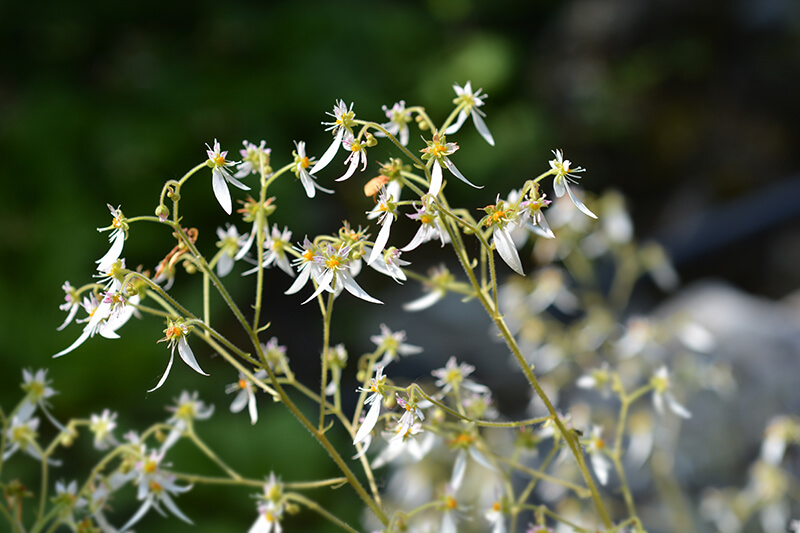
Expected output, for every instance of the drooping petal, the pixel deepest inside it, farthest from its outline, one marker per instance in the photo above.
(677, 408)
(355, 289)
(505, 247)
(300, 281)
(166, 372)
(383, 238)
(601, 466)
(436, 179)
(224, 265)
(480, 125)
(138, 514)
(236, 183)
(329, 154)
(308, 184)
(419, 238)
(252, 408)
(559, 186)
(459, 468)
(117, 242)
(240, 401)
(247, 245)
(578, 203)
(455, 126)
(354, 160)
(169, 504)
(424, 302)
(221, 190)
(188, 356)
(73, 310)
(455, 172)
(369, 421)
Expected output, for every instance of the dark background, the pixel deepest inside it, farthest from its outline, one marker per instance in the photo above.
(688, 108)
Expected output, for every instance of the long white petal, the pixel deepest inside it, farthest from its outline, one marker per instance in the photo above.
(436, 179)
(88, 331)
(188, 356)
(236, 183)
(308, 184)
(459, 468)
(355, 289)
(383, 238)
(247, 245)
(559, 186)
(419, 238)
(221, 190)
(351, 169)
(118, 241)
(252, 408)
(455, 126)
(138, 515)
(579, 204)
(166, 372)
(480, 125)
(174, 508)
(455, 172)
(505, 247)
(424, 302)
(70, 317)
(369, 421)
(329, 154)
(300, 281)
(240, 401)
(224, 265)
(600, 465)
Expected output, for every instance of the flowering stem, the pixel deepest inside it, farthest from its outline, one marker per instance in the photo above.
(326, 340)
(569, 437)
(579, 491)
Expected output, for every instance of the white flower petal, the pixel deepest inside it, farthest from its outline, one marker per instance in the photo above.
(188, 356)
(353, 288)
(236, 183)
(601, 466)
(354, 159)
(453, 170)
(166, 372)
(167, 500)
(436, 179)
(73, 310)
(369, 421)
(578, 203)
(138, 515)
(239, 402)
(559, 186)
(117, 240)
(329, 154)
(300, 281)
(383, 238)
(459, 468)
(677, 408)
(505, 247)
(221, 190)
(224, 265)
(252, 408)
(480, 125)
(455, 126)
(423, 302)
(308, 184)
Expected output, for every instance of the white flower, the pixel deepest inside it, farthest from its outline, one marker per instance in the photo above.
(176, 333)
(188, 408)
(230, 242)
(38, 390)
(154, 488)
(470, 102)
(102, 427)
(661, 393)
(436, 289)
(437, 151)
(270, 508)
(307, 267)
(454, 375)
(393, 345)
(390, 264)
(343, 122)
(385, 211)
(245, 395)
(301, 164)
(596, 448)
(409, 419)
(358, 154)
(496, 518)
(564, 174)
(399, 117)
(335, 276)
(220, 174)
(21, 435)
(430, 228)
(255, 159)
(374, 400)
(501, 217)
(71, 304)
(119, 232)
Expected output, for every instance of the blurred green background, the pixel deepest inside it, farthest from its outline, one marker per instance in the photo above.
(685, 107)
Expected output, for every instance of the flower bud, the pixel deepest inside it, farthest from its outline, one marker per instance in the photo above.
(162, 212)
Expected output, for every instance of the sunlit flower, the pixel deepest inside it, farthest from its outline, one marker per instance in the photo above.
(393, 345)
(276, 244)
(596, 448)
(502, 218)
(119, 233)
(399, 117)
(661, 393)
(245, 395)
(102, 426)
(300, 168)
(175, 334)
(564, 174)
(390, 264)
(342, 122)
(496, 518)
(255, 160)
(436, 152)
(335, 265)
(470, 103)
(220, 173)
(155, 487)
(412, 415)
(530, 211)
(451, 511)
(307, 267)
(374, 400)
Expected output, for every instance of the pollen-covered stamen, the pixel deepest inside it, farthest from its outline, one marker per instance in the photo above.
(155, 486)
(496, 507)
(117, 222)
(426, 219)
(462, 441)
(304, 162)
(333, 262)
(450, 503)
(219, 160)
(150, 466)
(242, 384)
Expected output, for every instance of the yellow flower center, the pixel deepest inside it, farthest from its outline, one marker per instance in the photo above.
(333, 262)
(304, 162)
